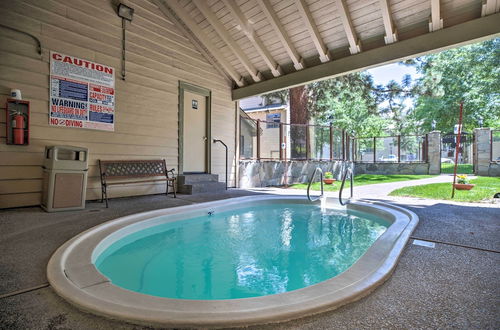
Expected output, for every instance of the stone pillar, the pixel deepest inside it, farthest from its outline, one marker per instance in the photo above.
(482, 147)
(434, 152)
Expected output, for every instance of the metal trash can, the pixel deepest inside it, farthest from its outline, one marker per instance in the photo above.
(65, 170)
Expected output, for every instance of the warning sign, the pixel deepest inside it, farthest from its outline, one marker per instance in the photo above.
(82, 93)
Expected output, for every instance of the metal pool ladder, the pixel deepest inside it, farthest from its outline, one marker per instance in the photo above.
(347, 171)
(310, 183)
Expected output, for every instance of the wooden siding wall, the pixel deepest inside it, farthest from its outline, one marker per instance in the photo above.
(146, 120)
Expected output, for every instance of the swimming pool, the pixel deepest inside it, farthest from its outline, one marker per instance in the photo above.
(241, 261)
(240, 253)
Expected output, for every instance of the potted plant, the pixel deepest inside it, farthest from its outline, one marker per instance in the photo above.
(463, 183)
(328, 178)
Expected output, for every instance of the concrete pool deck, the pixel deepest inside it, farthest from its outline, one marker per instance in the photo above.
(442, 287)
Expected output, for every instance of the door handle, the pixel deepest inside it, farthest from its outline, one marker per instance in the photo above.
(205, 138)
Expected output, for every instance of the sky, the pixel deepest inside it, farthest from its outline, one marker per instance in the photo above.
(384, 74)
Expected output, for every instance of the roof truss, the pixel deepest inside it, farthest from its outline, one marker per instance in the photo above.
(435, 21)
(391, 34)
(203, 38)
(224, 34)
(307, 18)
(273, 19)
(253, 38)
(354, 43)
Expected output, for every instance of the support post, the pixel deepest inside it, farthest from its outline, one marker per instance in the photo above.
(374, 149)
(343, 144)
(258, 139)
(434, 152)
(281, 141)
(331, 142)
(308, 149)
(483, 147)
(399, 148)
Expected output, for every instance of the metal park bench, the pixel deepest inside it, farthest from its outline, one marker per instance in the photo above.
(142, 170)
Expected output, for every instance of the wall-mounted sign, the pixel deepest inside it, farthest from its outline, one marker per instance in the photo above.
(273, 120)
(194, 104)
(82, 93)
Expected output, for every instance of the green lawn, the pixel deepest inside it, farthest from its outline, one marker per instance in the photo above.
(461, 168)
(485, 188)
(363, 179)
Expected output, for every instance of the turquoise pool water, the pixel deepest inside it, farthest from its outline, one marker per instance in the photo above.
(241, 253)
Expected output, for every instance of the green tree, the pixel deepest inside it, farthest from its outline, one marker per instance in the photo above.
(470, 74)
(349, 103)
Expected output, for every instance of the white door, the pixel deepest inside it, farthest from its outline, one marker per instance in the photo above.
(195, 133)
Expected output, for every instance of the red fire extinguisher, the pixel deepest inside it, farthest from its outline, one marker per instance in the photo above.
(18, 129)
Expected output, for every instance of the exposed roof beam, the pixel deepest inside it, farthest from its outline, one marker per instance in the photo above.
(252, 36)
(354, 43)
(391, 34)
(220, 29)
(273, 19)
(203, 38)
(472, 31)
(324, 54)
(490, 7)
(435, 21)
(186, 32)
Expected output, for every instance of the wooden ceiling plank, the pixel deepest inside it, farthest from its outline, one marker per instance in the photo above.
(240, 19)
(472, 31)
(185, 18)
(305, 14)
(435, 21)
(354, 43)
(273, 19)
(220, 29)
(490, 7)
(390, 31)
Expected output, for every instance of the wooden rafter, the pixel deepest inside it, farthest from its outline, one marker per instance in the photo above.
(273, 19)
(203, 38)
(390, 31)
(490, 7)
(226, 37)
(186, 32)
(435, 21)
(354, 43)
(252, 36)
(457, 35)
(305, 14)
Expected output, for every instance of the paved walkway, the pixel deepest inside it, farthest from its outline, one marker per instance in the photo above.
(456, 284)
(374, 191)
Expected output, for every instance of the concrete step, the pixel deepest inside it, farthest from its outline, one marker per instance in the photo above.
(202, 187)
(195, 178)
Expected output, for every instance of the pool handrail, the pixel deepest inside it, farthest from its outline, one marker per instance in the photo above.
(348, 170)
(310, 183)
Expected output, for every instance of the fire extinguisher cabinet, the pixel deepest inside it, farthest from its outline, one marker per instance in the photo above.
(65, 171)
(17, 122)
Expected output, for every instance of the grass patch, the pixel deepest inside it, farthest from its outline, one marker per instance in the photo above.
(461, 168)
(485, 188)
(362, 179)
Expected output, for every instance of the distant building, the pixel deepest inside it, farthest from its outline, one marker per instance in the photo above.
(271, 114)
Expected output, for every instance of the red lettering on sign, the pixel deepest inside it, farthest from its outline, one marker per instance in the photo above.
(56, 56)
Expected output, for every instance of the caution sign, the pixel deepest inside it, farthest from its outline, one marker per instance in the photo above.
(82, 93)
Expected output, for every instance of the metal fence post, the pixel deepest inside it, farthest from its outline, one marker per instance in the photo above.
(399, 148)
(343, 144)
(281, 141)
(307, 142)
(258, 139)
(331, 141)
(374, 149)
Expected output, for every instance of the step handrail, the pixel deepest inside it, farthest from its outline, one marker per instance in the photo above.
(310, 183)
(225, 146)
(347, 171)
